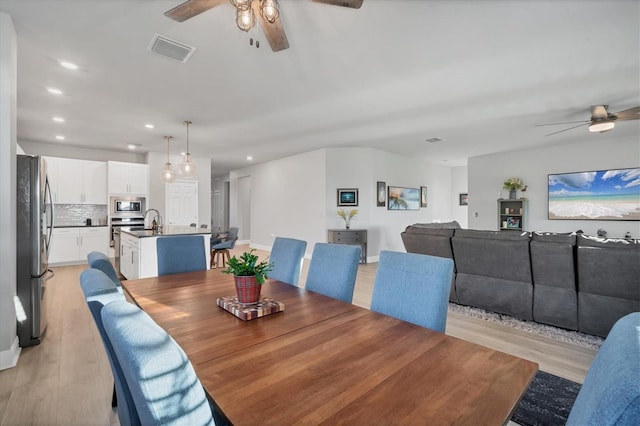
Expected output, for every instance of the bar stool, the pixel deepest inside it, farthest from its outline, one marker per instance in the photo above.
(215, 257)
(222, 248)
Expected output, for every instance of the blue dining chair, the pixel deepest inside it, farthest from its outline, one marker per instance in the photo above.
(610, 394)
(100, 261)
(99, 290)
(163, 384)
(287, 255)
(414, 288)
(333, 270)
(182, 253)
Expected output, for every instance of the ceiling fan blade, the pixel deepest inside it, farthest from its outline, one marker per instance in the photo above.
(274, 33)
(599, 112)
(564, 122)
(628, 114)
(570, 128)
(354, 4)
(191, 8)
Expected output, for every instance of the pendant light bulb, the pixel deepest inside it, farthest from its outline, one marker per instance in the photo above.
(168, 174)
(187, 168)
(269, 10)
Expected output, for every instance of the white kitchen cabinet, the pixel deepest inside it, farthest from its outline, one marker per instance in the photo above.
(128, 178)
(73, 244)
(77, 181)
(129, 256)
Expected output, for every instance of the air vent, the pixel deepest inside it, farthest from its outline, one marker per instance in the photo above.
(170, 49)
(434, 140)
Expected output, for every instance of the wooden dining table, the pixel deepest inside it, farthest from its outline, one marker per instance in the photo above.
(324, 361)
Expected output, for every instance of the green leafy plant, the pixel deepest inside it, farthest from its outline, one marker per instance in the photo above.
(513, 184)
(248, 265)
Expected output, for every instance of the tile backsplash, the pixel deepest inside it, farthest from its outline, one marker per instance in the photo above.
(77, 214)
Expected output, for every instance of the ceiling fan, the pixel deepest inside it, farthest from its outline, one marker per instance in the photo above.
(601, 119)
(266, 11)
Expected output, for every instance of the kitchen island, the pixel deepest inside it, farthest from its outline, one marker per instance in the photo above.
(137, 249)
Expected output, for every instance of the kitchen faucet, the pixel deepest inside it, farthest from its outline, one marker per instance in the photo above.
(159, 229)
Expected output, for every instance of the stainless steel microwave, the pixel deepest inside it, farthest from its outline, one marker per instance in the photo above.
(127, 206)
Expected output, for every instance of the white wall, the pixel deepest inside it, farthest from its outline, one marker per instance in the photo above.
(287, 199)
(596, 152)
(296, 196)
(9, 350)
(459, 186)
(78, 153)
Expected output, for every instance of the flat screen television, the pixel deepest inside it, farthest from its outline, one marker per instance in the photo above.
(595, 195)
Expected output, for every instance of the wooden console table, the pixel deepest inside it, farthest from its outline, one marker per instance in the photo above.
(350, 236)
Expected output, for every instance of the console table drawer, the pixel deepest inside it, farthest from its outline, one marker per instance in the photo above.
(350, 236)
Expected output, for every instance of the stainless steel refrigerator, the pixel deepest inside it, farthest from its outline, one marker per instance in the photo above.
(33, 240)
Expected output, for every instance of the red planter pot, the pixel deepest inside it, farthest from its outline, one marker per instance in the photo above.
(247, 289)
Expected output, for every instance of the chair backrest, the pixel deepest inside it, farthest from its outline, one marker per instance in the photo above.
(164, 386)
(286, 256)
(333, 270)
(204, 226)
(100, 261)
(99, 291)
(180, 254)
(230, 241)
(193, 225)
(414, 288)
(610, 394)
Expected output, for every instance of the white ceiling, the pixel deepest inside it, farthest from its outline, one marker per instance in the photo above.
(479, 74)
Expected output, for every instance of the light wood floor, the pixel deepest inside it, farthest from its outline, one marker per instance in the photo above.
(66, 380)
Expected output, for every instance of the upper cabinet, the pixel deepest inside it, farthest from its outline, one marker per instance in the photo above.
(77, 181)
(128, 178)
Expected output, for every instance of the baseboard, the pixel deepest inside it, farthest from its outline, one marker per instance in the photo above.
(9, 358)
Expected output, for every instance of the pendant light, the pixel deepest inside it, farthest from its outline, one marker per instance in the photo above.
(187, 168)
(168, 174)
(269, 10)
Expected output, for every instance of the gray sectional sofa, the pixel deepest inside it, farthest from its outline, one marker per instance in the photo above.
(568, 280)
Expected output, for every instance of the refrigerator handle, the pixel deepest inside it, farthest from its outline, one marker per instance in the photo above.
(49, 197)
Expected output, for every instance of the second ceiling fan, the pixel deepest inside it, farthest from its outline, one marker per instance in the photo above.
(248, 11)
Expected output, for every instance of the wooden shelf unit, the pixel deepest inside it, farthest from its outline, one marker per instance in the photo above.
(512, 214)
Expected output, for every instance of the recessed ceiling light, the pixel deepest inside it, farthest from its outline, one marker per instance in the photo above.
(249, 158)
(58, 119)
(54, 91)
(60, 137)
(133, 145)
(69, 65)
(149, 126)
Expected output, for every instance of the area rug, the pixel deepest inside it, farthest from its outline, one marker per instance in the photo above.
(530, 326)
(548, 401)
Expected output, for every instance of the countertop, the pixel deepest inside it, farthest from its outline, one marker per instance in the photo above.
(168, 231)
(80, 226)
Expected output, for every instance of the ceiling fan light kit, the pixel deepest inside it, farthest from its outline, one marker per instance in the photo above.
(168, 174)
(245, 19)
(187, 169)
(601, 126)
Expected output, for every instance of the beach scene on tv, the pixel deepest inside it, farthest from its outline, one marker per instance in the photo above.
(598, 195)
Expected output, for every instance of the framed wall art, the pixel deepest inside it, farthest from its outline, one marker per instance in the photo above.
(612, 194)
(423, 196)
(399, 198)
(381, 194)
(347, 197)
(464, 199)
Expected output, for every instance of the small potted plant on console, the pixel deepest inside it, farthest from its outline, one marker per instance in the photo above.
(249, 275)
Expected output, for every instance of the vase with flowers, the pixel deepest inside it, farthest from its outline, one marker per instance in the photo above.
(513, 184)
(347, 216)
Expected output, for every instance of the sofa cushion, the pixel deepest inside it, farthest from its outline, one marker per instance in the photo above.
(437, 225)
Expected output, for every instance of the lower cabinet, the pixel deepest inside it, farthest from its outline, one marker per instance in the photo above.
(129, 256)
(73, 244)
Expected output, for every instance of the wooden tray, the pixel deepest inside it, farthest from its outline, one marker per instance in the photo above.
(250, 311)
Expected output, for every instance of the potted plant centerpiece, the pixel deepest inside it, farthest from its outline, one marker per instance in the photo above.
(249, 275)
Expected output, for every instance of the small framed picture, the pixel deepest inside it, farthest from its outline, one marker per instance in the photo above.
(423, 196)
(381, 194)
(513, 222)
(464, 199)
(347, 197)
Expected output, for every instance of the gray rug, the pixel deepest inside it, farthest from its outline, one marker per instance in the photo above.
(548, 401)
(555, 333)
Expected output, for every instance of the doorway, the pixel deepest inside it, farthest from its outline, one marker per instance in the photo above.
(181, 203)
